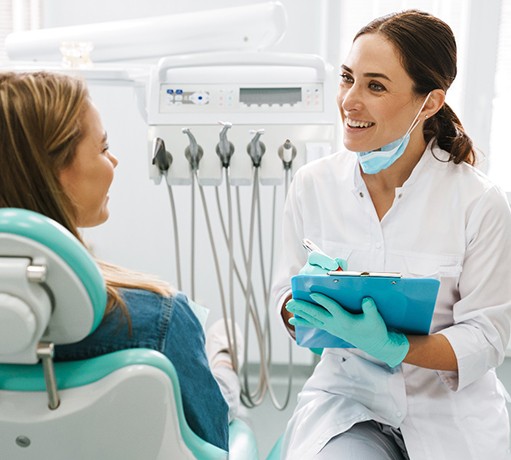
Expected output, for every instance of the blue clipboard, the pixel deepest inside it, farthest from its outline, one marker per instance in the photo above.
(405, 304)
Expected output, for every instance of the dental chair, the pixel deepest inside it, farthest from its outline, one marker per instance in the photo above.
(124, 405)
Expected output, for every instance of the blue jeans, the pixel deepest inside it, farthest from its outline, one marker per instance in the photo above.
(169, 326)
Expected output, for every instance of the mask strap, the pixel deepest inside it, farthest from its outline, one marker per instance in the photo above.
(415, 121)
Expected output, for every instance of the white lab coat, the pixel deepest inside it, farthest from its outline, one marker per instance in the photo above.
(447, 221)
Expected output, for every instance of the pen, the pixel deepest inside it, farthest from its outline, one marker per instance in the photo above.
(310, 246)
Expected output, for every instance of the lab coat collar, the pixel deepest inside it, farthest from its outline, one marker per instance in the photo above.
(359, 185)
(430, 158)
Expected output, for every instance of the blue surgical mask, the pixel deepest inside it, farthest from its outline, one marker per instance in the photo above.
(374, 161)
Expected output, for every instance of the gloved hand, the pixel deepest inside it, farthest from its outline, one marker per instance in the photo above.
(319, 263)
(366, 331)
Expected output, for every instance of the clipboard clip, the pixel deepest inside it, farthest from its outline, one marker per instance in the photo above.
(366, 274)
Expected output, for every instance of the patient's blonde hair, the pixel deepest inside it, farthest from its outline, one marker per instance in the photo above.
(41, 117)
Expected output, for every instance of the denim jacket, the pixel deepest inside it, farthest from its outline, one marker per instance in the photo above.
(169, 326)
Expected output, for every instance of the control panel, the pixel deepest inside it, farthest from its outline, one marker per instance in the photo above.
(219, 98)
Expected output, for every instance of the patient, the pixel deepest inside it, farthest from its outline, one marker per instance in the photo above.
(55, 160)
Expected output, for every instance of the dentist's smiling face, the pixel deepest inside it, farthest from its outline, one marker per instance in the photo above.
(375, 97)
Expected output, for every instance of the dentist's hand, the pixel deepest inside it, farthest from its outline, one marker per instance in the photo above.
(319, 263)
(366, 331)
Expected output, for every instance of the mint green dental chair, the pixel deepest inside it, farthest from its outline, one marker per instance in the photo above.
(124, 405)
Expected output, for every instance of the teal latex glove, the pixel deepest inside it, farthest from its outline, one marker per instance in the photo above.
(319, 263)
(366, 331)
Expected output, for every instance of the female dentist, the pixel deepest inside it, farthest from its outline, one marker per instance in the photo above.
(405, 198)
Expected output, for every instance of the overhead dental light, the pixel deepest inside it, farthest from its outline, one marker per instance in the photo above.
(248, 27)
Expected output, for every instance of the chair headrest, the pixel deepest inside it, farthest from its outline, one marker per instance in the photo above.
(51, 288)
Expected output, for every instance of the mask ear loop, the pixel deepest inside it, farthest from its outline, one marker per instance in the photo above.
(416, 120)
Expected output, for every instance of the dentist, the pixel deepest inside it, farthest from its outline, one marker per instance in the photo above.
(406, 198)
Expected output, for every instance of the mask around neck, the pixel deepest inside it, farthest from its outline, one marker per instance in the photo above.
(374, 161)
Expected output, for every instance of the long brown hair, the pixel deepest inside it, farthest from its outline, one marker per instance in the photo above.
(40, 127)
(428, 52)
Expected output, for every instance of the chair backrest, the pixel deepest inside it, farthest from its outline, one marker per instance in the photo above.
(123, 405)
(50, 287)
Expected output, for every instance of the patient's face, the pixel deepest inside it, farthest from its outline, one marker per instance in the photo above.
(88, 178)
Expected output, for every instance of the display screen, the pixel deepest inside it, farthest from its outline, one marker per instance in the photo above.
(258, 96)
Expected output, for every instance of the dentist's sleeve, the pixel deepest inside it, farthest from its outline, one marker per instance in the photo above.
(482, 316)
